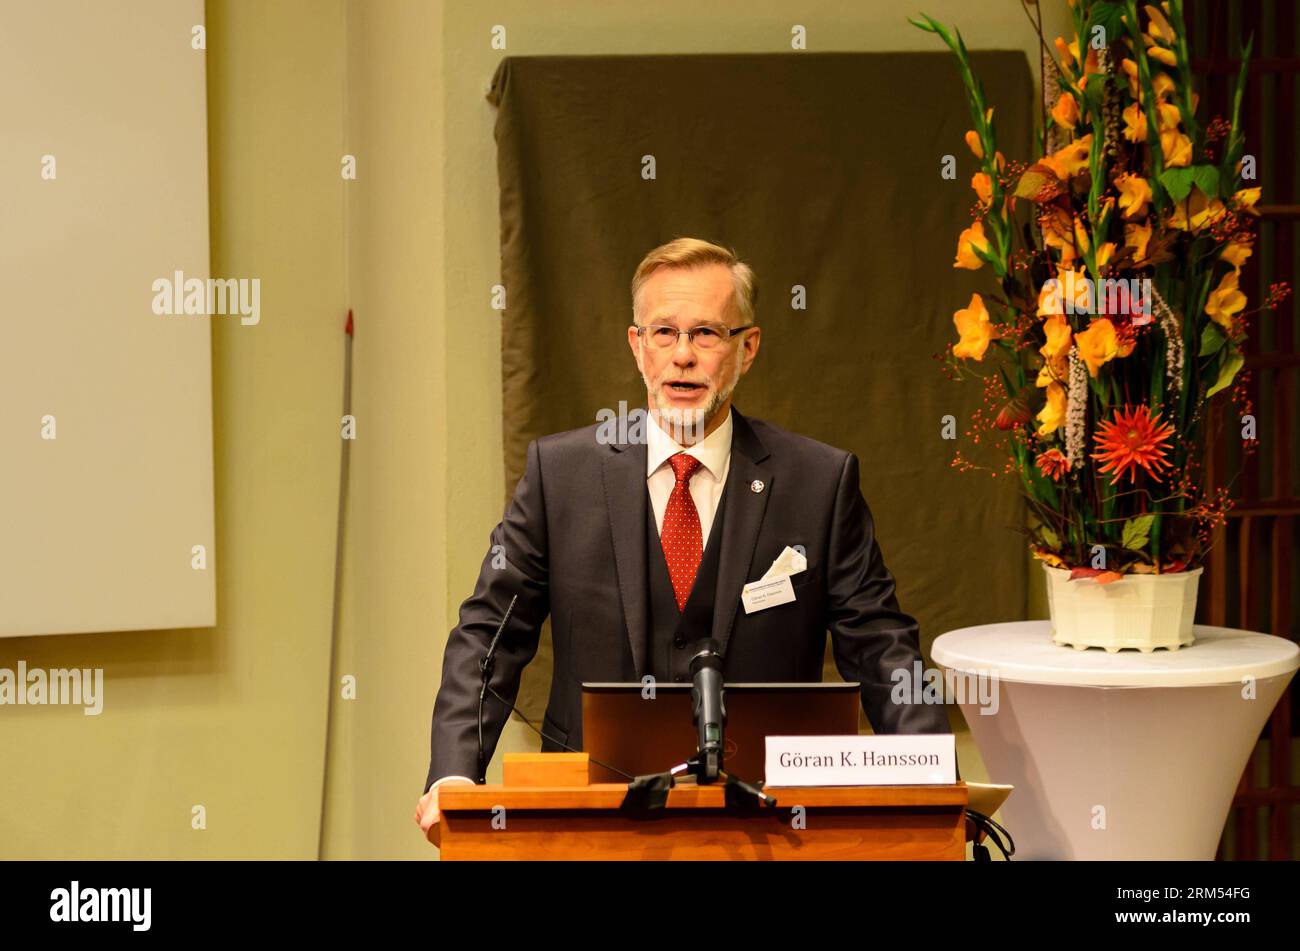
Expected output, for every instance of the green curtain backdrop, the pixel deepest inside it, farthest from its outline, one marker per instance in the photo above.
(823, 172)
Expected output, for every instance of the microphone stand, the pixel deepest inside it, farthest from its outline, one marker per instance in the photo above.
(486, 667)
(710, 715)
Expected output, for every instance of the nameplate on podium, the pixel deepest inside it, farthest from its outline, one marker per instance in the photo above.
(928, 759)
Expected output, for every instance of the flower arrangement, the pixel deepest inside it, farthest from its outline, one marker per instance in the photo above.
(1117, 315)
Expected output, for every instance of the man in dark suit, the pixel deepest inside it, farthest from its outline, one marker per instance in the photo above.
(638, 541)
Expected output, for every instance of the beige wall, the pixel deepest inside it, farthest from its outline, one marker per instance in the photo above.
(234, 717)
(231, 717)
(395, 593)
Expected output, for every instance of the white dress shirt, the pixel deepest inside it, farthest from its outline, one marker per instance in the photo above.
(714, 453)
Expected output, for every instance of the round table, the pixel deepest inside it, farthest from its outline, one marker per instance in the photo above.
(1115, 756)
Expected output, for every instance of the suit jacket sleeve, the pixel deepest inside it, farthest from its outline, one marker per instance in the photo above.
(870, 636)
(515, 564)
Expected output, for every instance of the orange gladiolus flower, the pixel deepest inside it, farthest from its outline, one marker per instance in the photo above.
(1134, 194)
(976, 331)
(974, 144)
(1057, 329)
(1098, 345)
(983, 186)
(1052, 416)
(1177, 149)
(1066, 111)
(1053, 370)
(1225, 301)
(1236, 252)
(1072, 159)
(1197, 210)
(1135, 123)
(1137, 237)
(971, 239)
(1246, 199)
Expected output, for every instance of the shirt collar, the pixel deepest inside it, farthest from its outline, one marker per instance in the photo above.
(713, 451)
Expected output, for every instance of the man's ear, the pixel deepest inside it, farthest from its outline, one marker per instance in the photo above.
(750, 343)
(633, 341)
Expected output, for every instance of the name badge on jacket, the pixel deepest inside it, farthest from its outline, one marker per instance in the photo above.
(774, 587)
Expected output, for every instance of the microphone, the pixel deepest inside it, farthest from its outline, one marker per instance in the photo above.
(486, 666)
(708, 709)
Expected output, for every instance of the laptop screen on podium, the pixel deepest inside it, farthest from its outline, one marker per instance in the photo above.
(624, 727)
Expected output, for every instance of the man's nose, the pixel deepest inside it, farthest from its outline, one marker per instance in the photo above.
(684, 352)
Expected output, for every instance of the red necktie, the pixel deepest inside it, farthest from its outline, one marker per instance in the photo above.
(680, 536)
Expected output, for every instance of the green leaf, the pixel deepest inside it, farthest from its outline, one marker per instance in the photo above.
(1050, 538)
(1177, 182)
(1212, 340)
(1234, 363)
(1206, 178)
(1107, 15)
(1137, 532)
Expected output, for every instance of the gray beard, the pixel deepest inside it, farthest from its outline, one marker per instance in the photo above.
(687, 426)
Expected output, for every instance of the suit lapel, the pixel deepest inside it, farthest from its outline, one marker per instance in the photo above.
(740, 527)
(624, 477)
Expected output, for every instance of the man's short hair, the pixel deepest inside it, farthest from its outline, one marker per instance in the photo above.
(692, 252)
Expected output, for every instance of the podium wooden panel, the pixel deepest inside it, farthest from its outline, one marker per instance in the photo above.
(511, 822)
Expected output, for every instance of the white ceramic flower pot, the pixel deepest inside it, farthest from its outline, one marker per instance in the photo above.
(1138, 611)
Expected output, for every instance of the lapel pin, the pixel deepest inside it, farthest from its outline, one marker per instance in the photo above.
(756, 486)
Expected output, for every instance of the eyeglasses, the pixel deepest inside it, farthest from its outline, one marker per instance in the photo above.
(703, 336)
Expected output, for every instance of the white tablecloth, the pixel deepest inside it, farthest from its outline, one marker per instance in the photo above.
(1117, 756)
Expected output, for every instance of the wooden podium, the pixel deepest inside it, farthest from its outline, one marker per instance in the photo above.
(546, 809)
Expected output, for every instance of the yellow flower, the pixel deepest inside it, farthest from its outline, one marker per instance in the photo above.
(1131, 71)
(1057, 329)
(1246, 199)
(1098, 345)
(1158, 28)
(1091, 67)
(1069, 54)
(1072, 159)
(1058, 232)
(1197, 208)
(976, 331)
(1105, 252)
(1052, 415)
(1075, 283)
(1236, 252)
(1066, 111)
(1134, 193)
(1176, 147)
(1081, 235)
(983, 186)
(1137, 236)
(1163, 55)
(1168, 116)
(1051, 299)
(1225, 301)
(1053, 370)
(971, 239)
(974, 144)
(1135, 124)
(1164, 86)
